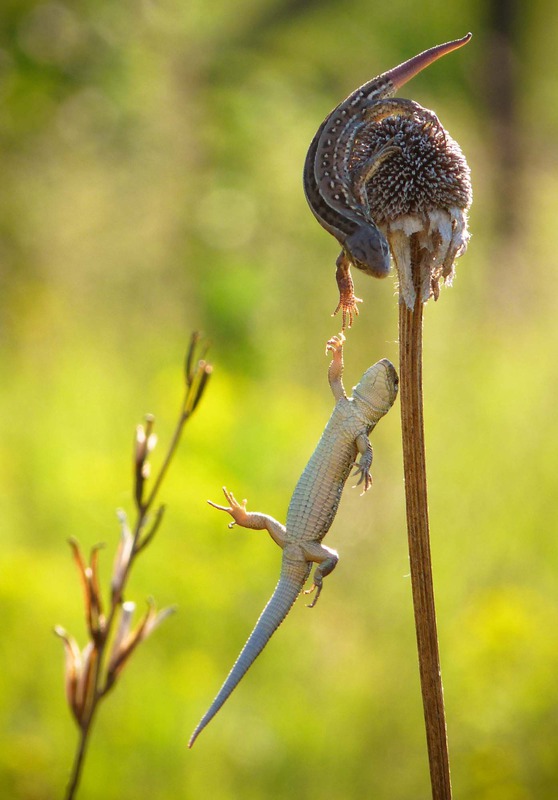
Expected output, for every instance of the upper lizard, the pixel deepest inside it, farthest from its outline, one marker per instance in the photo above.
(314, 503)
(331, 185)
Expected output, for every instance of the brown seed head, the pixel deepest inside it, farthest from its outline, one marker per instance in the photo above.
(422, 190)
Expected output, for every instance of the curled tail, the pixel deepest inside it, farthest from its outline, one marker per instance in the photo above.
(293, 577)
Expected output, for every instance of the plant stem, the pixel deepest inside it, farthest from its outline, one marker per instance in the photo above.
(195, 385)
(163, 471)
(414, 464)
(79, 759)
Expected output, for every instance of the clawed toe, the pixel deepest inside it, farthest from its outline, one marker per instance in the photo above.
(336, 343)
(349, 310)
(314, 588)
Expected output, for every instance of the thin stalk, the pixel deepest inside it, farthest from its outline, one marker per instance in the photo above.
(79, 760)
(98, 690)
(196, 380)
(414, 464)
(163, 471)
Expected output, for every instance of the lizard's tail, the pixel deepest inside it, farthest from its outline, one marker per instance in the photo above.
(404, 72)
(287, 590)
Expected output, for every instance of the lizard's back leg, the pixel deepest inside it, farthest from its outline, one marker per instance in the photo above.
(326, 559)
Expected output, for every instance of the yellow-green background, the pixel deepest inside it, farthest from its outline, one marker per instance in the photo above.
(150, 184)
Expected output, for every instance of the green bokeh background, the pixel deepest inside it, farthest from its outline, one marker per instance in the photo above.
(151, 157)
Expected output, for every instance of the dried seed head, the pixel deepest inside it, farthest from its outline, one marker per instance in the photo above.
(123, 555)
(85, 689)
(126, 640)
(122, 636)
(73, 669)
(423, 190)
(89, 576)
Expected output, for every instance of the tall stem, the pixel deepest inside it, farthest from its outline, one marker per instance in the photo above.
(414, 465)
(79, 759)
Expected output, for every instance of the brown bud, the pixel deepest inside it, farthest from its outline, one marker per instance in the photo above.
(144, 443)
(79, 675)
(126, 641)
(86, 681)
(123, 554)
(121, 639)
(91, 589)
(72, 671)
(97, 623)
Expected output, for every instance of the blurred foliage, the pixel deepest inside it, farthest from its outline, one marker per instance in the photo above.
(151, 157)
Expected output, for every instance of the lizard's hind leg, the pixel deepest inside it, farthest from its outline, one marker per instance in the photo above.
(327, 559)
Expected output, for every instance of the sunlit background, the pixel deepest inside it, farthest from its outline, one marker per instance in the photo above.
(150, 161)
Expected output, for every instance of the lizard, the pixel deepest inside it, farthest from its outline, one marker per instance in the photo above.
(313, 504)
(329, 183)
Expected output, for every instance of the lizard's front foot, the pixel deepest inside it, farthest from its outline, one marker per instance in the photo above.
(235, 509)
(430, 120)
(348, 307)
(347, 300)
(335, 344)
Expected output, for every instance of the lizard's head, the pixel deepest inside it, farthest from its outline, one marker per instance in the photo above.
(368, 250)
(377, 389)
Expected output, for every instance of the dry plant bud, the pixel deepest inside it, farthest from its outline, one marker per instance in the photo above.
(123, 554)
(203, 374)
(78, 674)
(122, 633)
(126, 640)
(97, 621)
(85, 688)
(189, 372)
(92, 592)
(73, 666)
(421, 192)
(144, 444)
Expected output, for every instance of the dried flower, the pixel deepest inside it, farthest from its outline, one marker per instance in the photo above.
(72, 669)
(123, 554)
(85, 689)
(126, 641)
(90, 674)
(121, 637)
(145, 443)
(422, 192)
(78, 674)
(90, 582)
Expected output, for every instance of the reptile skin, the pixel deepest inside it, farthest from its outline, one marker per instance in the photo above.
(334, 189)
(314, 504)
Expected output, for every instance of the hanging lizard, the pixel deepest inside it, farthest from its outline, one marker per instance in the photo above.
(331, 186)
(314, 504)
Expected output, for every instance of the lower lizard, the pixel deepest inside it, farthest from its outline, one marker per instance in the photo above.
(314, 504)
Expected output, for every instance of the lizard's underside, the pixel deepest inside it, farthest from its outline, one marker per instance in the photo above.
(314, 504)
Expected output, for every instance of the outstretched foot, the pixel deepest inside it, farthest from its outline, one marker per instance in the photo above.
(335, 371)
(235, 509)
(335, 344)
(347, 300)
